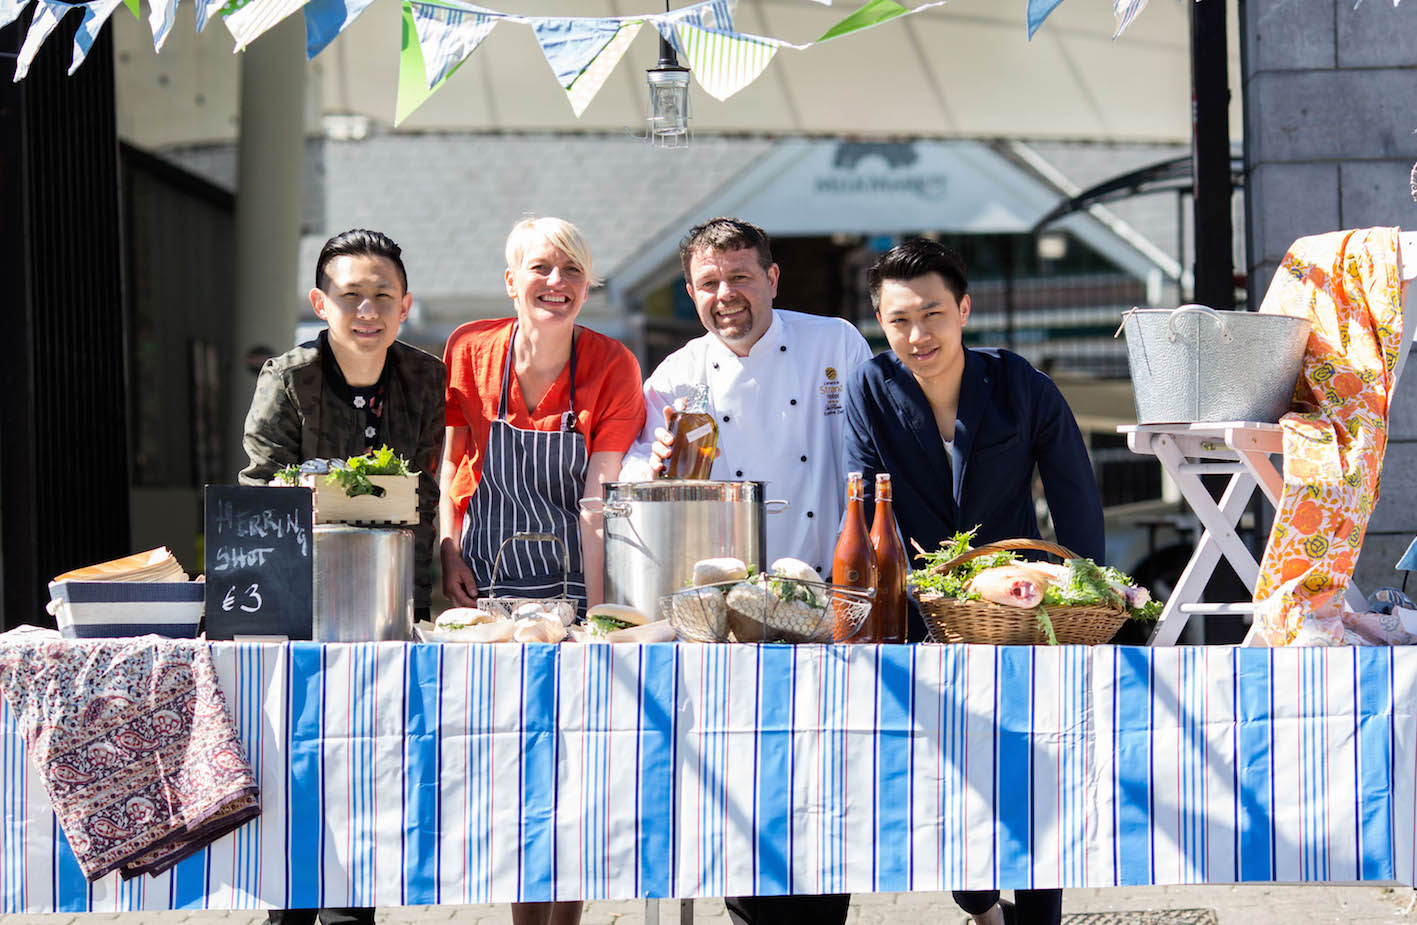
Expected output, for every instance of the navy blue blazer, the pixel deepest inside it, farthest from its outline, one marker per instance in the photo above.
(1011, 419)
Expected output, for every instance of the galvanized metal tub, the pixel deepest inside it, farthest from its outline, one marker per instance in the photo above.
(363, 584)
(656, 531)
(1194, 364)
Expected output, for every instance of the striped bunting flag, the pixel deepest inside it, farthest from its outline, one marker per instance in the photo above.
(588, 84)
(46, 17)
(95, 15)
(161, 16)
(722, 63)
(447, 35)
(570, 44)
(10, 11)
(246, 20)
(1124, 11)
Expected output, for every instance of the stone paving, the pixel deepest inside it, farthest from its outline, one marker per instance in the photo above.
(1171, 905)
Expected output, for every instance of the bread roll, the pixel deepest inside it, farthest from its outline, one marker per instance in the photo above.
(658, 631)
(789, 567)
(500, 631)
(708, 571)
(456, 617)
(541, 629)
(622, 612)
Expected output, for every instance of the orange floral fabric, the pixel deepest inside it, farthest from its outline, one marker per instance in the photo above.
(1349, 286)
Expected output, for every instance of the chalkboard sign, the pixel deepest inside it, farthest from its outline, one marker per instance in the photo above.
(259, 561)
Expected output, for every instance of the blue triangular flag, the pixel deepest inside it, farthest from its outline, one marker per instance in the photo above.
(1038, 11)
(325, 19)
(570, 45)
(1408, 562)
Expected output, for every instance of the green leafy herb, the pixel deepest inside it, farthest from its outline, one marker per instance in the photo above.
(290, 475)
(932, 577)
(789, 590)
(1045, 623)
(355, 479)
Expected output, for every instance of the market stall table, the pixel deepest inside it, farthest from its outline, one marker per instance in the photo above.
(396, 774)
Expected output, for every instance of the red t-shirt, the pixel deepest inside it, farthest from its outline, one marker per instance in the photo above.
(610, 404)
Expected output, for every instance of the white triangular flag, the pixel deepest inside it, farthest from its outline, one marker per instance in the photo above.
(10, 11)
(1124, 11)
(447, 35)
(251, 18)
(46, 17)
(724, 64)
(95, 15)
(162, 14)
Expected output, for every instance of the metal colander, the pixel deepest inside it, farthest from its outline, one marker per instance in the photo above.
(766, 609)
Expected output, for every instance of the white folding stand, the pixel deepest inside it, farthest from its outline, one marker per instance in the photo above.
(1244, 450)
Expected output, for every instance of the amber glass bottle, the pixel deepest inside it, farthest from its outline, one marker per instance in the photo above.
(854, 564)
(695, 438)
(889, 614)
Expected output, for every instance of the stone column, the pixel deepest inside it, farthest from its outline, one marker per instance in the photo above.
(1329, 146)
(269, 188)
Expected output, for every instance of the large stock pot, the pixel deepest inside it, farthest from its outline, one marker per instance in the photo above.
(656, 531)
(363, 584)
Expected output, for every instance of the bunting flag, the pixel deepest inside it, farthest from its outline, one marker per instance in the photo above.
(723, 63)
(248, 19)
(588, 84)
(438, 35)
(1038, 10)
(161, 15)
(325, 19)
(46, 16)
(447, 35)
(10, 11)
(1124, 11)
(95, 15)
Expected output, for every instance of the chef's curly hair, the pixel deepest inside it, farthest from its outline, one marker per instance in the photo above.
(725, 234)
(359, 242)
(916, 258)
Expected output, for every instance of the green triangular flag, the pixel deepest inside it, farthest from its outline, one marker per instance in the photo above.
(413, 79)
(132, 6)
(872, 13)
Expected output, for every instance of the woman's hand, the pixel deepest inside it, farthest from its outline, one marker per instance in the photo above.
(459, 585)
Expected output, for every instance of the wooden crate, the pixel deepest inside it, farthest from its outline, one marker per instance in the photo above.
(399, 505)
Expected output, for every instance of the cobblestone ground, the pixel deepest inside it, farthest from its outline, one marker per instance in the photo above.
(1192, 905)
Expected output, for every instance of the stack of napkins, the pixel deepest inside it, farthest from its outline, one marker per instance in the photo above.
(153, 565)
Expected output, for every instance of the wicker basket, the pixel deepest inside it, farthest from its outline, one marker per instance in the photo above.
(952, 620)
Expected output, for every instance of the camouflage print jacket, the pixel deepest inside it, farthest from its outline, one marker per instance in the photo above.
(295, 415)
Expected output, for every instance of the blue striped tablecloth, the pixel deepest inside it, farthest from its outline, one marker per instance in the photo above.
(409, 774)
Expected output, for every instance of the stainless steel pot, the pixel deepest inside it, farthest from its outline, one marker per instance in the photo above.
(656, 531)
(363, 584)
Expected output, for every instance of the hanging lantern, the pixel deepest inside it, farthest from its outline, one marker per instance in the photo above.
(668, 117)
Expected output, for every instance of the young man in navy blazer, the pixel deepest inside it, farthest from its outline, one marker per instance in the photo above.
(961, 432)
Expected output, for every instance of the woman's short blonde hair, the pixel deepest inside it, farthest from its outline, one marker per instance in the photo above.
(561, 234)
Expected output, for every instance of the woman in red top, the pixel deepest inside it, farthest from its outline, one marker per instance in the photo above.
(540, 413)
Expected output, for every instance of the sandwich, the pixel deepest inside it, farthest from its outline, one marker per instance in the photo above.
(604, 619)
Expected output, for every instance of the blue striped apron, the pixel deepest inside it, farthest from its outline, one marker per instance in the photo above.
(532, 482)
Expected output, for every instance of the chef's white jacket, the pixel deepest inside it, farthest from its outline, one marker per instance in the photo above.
(781, 415)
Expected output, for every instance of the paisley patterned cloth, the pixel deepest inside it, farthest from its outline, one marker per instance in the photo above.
(134, 744)
(1348, 284)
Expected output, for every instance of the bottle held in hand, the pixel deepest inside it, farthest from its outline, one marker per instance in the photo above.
(889, 612)
(695, 439)
(854, 564)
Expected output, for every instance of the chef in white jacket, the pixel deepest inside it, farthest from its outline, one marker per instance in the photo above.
(776, 383)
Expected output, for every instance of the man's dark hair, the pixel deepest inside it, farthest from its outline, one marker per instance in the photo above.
(916, 258)
(358, 242)
(725, 234)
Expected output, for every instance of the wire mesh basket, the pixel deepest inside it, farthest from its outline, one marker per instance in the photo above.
(766, 609)
(504, 606)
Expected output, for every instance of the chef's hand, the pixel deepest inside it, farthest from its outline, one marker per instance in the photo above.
(663, 440)
(459, 586)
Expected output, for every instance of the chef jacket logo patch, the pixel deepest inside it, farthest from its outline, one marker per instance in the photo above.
(831, 391)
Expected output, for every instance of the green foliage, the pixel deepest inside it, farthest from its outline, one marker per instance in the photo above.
(290, 475)
(931, 576)
(355, 479)
(1086, 584)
